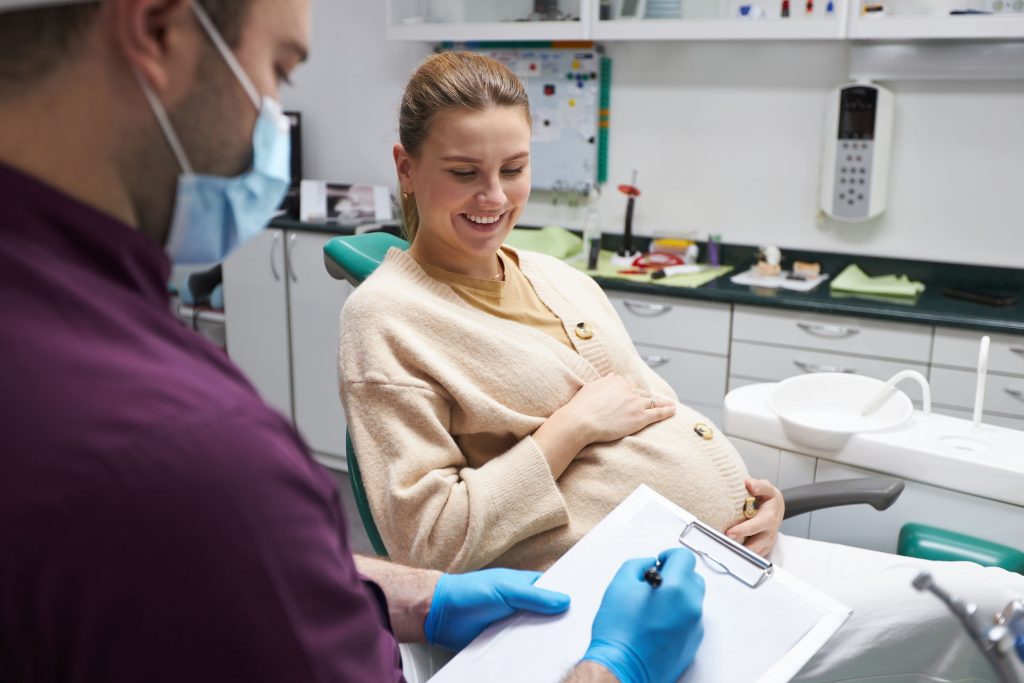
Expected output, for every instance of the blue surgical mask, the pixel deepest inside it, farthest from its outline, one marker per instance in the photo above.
(213, 214)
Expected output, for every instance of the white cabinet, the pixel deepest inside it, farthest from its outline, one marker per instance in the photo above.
(833, 333)
(256, 316)
(684, 341)
(675, 323)
(863, 526)
(282, 314)
(953, 376)
(697, 378)
(769, 345)
(766, 363)
(315, 301)
(958, 348)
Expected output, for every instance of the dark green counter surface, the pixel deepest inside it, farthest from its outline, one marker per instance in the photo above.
(930, 308)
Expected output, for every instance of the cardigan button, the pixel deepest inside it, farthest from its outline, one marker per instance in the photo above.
(584, 331)
(703, 431)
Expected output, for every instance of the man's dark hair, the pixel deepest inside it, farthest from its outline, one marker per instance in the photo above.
(34, 41)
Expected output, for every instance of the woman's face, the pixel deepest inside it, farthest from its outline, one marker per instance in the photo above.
(471, 181)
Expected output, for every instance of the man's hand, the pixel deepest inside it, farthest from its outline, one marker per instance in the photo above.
(465, 604)
(643, 634)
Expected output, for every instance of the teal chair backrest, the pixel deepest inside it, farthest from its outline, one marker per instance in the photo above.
(354, 258)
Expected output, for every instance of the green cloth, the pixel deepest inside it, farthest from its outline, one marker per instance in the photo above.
(855, 280)
(606, 269)
(553, 241)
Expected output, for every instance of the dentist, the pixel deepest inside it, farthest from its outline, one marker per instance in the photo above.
(158, 521)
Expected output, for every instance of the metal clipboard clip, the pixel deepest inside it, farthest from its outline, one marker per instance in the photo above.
(724, 555)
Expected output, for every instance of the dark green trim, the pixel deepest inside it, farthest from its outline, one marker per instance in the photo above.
(604, 120)
(355, 478)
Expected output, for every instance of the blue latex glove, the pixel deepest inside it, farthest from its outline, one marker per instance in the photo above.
(465, 604)
(649, 635)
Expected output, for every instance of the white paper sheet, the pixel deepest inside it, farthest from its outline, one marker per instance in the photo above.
(765, 634)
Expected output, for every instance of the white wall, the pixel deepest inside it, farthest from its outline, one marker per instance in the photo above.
(726, 138)
(349, 92)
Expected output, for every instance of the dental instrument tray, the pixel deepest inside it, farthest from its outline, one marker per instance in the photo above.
(783, 280)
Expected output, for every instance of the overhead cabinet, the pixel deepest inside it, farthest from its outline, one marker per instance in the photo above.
(633, 20)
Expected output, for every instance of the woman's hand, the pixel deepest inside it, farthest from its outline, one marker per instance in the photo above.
(759, 532)
(604, 410)
(611, 408)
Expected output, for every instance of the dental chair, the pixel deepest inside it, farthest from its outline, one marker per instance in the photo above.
(354, 258)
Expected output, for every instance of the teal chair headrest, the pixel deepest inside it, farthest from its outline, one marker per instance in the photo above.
(355, 257)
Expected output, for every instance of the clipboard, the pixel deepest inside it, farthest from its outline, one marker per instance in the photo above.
(725, 556)
(532, 648)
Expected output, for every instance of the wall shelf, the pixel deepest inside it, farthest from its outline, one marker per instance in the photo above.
(720, 29)
(406, 21)
(438, 32)
(936, 27)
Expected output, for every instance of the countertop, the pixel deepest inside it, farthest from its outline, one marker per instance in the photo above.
(930, 308)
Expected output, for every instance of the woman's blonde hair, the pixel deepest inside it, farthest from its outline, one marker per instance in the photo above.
(450, 80)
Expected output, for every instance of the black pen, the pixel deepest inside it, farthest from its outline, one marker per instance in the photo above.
(652, 575)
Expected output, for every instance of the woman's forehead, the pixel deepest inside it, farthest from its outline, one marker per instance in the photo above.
(458, 131)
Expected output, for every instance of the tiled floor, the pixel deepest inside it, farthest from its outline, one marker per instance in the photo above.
(357, 537)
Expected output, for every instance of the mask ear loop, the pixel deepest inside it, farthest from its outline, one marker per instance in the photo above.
(165, 123)
(226, 52)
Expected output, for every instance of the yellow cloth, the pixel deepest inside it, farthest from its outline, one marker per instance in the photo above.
(853, 279)
(442, 400)
(691, 280)
(511, 299)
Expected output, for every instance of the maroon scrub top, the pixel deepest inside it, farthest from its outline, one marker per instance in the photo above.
(158, 522)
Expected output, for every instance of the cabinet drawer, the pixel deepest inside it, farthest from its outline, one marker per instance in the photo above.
(674, 323)
(773, 363)
(955, 388)
(695, 377)
(837, 334)
(959, 348)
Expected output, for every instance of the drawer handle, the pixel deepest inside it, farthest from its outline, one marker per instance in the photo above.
(808, 366)
(1016, 393)
(655, 361)
(274, 246)
(646, 309)
(1018, 349)
(833, 331)
(288, 257)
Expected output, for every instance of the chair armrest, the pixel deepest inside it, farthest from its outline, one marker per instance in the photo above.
(878, 492)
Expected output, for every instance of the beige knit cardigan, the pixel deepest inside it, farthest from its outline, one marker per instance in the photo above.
(442, 399)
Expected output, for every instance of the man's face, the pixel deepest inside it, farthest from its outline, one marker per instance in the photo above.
(216, 122)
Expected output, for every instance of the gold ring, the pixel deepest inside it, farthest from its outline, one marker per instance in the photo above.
(750, 507)
(654, 404)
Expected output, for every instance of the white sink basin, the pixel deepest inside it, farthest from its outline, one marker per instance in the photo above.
(823, 409)
(938, 450)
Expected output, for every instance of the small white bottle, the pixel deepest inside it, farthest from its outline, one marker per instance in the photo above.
(592, 230)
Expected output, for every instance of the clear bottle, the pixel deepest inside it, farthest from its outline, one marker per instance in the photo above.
(592, 230)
